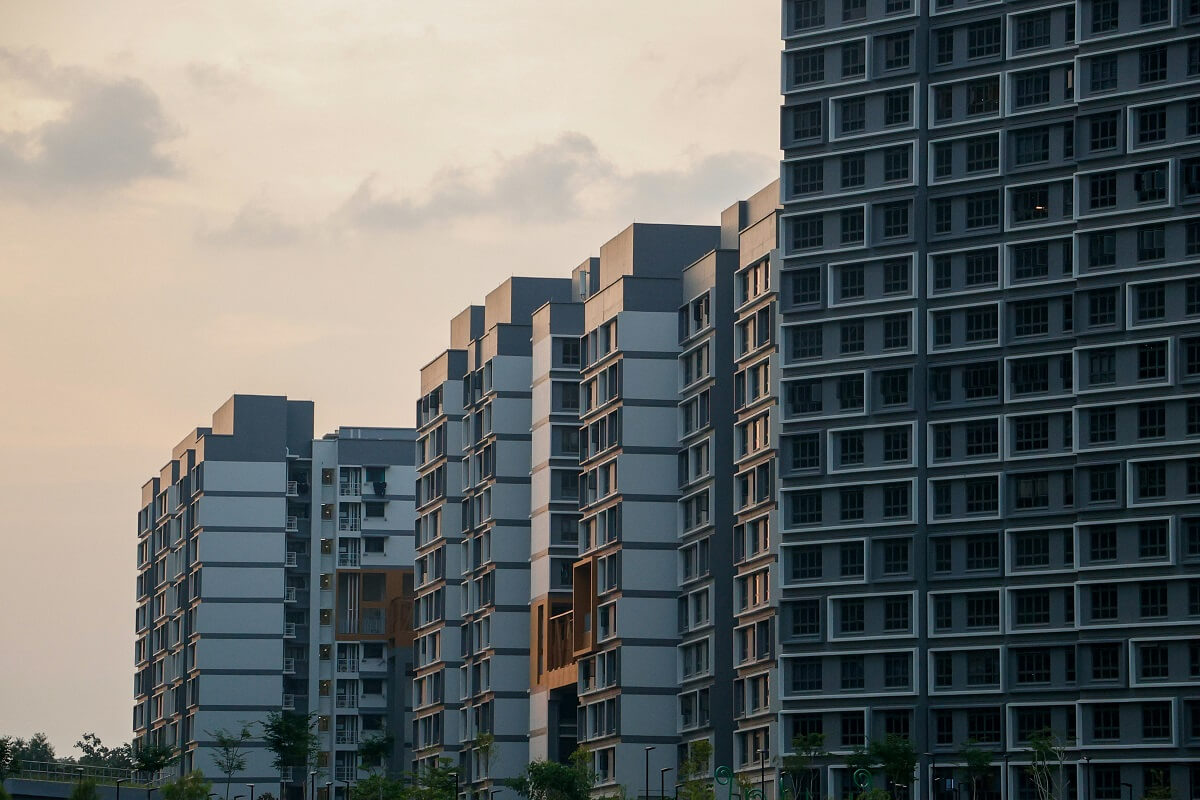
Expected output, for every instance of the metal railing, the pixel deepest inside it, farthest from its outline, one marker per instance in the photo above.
(347, 701)
(66, 772)
(347, 559)
(292, 524)
(347, 665)
(289, 594)
(345, 773)
(291, 560)
(293, 488)
(289, 702)
(289, 630)
(349, 523)
(289, 666)
(347, 737)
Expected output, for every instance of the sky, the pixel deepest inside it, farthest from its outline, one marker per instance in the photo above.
(198, 199)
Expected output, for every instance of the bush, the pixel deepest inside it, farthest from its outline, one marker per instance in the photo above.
(193, 786)
(85, 790)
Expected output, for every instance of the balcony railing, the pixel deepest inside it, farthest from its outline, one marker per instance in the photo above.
(347, 701)
(289, 666)
(289, 704)
(347, 665)
(345, 773)
(289, 594)
(560, 642)
(346, 737)
(349, 523)
(291, 560)
(289, 630)
(350, 489)
(292, 524)
(293, 488)
(347, 559)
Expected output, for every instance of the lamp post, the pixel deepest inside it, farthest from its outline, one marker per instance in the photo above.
(1130, 785)
(762, 773)
(648, 748)
(119, 782)
(1004, 777)
(1086, 779)
(312, 784)
(662, 786)
(251, 785)
(932, 775)
(328, 790)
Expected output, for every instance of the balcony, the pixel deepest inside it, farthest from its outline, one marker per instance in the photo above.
(346, 559)
(347, 665)
(350, 489)
(289, 702)
(292, 525)
(291, 560)
(289, 666)
(289, 630)
(349, 523)
(293, 488)
(346, 701)
(560, 647)
(289, 594)
(345, 773)
(346, 737)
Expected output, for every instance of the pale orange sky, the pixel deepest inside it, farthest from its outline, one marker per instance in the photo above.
(198, 199)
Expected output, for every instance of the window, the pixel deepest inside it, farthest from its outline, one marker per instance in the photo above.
(896, 557)
(1152, 361)
(853, 114)
(943, 46)
(853, 672)
(851, 504)
(854, 170)
(1152, 539)
(806, 286)
(805, 449)
(983, 154)
(1033, 31)
(1031, 203)
(896, 163)
(982, 495)
(895, 445)
(1103, 129)
(897, 107)
(897, 616)
(983, 96)
(893, 388)
(895, 220)
(808, 14)
(1152, 124)
(896, 278)
(1102, 190)
(983, 39)
(853, 616)
(854, 10)
(1152, 420)
(982, 324)
(851, 560)
(1031, 433)
(806, 121)
(1151, 480)
(943, 215)
(808, 178)
(1156, 720)
(1155, 11)
(852, 333)
(983, 668)
(983, 210)
(983, 610)
(1152, 64)
(1105, 16)
(1151, 184)
(1031, 146)
(1103, 73)
(1032, 549)
(853, 60)
(895, 331)
(897, 50)
(1033, 666)
(1152, 600)
(982, 438)
(983, 553)
(1106, 722)
(807, 232)
(1031, 318)
(806, 563)
(982, 268)
(1032, 88)
(808, 66)
(850, 448)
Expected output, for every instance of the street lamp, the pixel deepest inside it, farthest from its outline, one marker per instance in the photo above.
(251, 785)
(328, 790)
(312, 787)
(119, 782)
(1086, 779)
(648, 748)
(662, 786)
(762, 774)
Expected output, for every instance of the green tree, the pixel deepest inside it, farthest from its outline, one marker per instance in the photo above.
(485, 743)
(696, 782)
(1048, 755)
(152, 758)
(896, 758)
(977, 767)
(85, 790)
(229, 757)
(439, 782)
(376, 751)
(93, 753)
(378, 787)
(800, 766)
(10, 761)
(1158, 789)
(36, 748)
(291, 738)
(193, 786)
(551, 780)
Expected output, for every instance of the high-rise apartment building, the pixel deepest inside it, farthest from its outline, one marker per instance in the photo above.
(274, 574)
(988, 347)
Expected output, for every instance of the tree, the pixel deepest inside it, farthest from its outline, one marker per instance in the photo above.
(1159, 789)
(1048, 755)
(378, 787)
(551, 780)
(37, 748)
(85, 790)
(95, 754)
(439, 782)
(799, 766)
(10, 761)
(229, 757)
(896, 757)
(977, 767)
(485, 743)
(289, 735)
(695, 780)
(376, 751)
(152, 758)
(193, 786)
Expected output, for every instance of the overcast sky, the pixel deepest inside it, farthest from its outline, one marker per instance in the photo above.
(198, 199)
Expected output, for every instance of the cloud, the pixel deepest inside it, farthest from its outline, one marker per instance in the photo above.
(254, 225)
(562, 180)
(109, 134)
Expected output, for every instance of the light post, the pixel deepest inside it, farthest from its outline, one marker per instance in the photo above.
(1086, 778)
(328, 790)
(762, 774)
(119, 782)
(492, 793)
(312, 787)
(251, 785)
(1004, 777)
(1130, 785)
(648, 748)
(662, 786)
